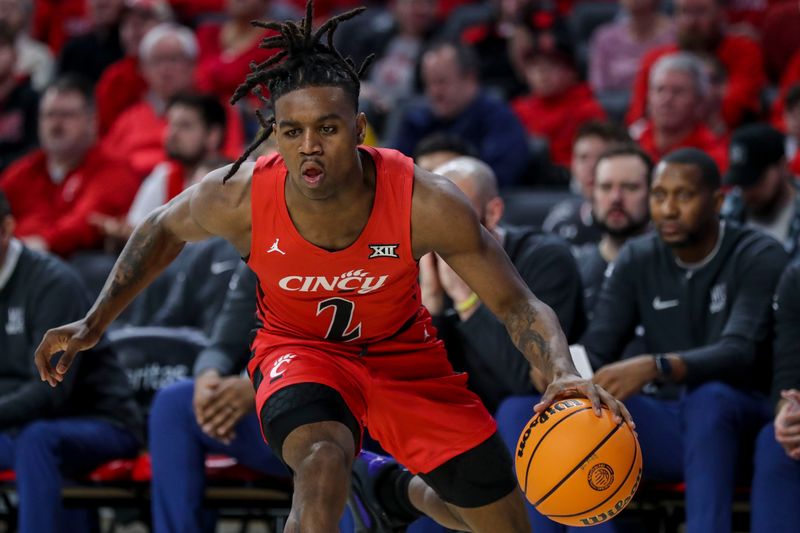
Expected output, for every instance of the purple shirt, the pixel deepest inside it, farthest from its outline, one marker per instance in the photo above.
(614, 55)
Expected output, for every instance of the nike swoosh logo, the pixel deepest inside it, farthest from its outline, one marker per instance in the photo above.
(660, 305)
(222, 266)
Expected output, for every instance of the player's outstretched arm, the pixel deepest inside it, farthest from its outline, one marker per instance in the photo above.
(443, 222)
(206, 209)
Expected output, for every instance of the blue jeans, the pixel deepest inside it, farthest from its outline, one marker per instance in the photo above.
(698, 440)
(45, 452)
(775, 500)
(178, 449)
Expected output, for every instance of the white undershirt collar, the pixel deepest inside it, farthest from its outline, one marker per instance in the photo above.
(10, 263)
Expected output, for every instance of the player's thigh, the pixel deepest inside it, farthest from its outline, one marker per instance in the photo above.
(421, 411)
(300, 386)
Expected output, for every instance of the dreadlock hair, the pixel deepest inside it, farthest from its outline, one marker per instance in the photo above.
(304, 60)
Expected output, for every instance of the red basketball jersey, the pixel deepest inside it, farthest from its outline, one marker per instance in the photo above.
(358, 295)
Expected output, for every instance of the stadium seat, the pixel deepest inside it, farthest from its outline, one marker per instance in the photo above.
(529, 207)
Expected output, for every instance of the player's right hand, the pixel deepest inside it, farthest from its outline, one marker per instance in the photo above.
(69, 339)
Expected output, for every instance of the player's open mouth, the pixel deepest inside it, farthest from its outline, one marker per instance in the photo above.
(312, 175)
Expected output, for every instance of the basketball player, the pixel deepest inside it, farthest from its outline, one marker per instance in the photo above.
(333, 231)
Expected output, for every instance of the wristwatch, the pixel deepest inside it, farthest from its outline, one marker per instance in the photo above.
(663, 366)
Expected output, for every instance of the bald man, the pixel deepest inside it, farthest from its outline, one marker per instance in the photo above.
(476, 341)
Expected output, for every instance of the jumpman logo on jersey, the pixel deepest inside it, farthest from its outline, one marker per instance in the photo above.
(425, 333)
(274, 248)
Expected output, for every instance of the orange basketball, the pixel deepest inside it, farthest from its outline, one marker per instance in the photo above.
(575, 467)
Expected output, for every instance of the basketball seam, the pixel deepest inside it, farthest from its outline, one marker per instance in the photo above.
(541, 440)
(577, 466)
(630, 470)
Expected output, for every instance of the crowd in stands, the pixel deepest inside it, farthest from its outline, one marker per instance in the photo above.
(670, 130)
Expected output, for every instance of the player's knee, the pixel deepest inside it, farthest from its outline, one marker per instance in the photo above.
(325, 457)
(329, 454)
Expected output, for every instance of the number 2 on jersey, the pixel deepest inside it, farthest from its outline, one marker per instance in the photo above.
(340, 323)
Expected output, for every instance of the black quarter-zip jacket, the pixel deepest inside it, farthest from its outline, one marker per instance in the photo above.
(717, 315)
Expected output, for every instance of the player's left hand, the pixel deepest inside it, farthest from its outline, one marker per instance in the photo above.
(571, 386)
(625, 378)
(233, 398)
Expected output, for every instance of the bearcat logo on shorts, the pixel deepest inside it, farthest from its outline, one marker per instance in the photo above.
(543, 418)
(354, 281)
(601, 476)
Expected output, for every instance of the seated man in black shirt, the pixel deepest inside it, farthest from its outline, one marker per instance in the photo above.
(702, 291)
(776, 481)
(476, 341)
(47, 433)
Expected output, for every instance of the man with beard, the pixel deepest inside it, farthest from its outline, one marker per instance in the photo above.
(702, 290)
(619, 208)
(700, 29)
(195, 132)
(571, 219)
(54, 191)
(765, 196)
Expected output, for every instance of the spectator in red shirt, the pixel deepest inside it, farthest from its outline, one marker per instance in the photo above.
(54, 190)
(57, 21)
(228, 48)
(677, 105)
(194, 134)
(122, 84)
(779, 36)
(167, 54)
(700, 29)
(559, 103)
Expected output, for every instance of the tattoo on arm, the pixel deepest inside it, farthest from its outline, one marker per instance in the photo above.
(536, 335)
(529, 341)
(129, 270)
(149, 250)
